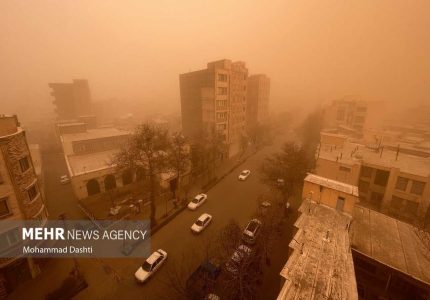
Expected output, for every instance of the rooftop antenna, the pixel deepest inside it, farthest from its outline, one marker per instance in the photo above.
(398, 150)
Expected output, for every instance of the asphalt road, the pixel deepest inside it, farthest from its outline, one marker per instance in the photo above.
(229, 199)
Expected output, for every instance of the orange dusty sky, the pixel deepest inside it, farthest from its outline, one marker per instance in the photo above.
(134, 50)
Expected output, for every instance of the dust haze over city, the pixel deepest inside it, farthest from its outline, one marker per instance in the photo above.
(268, 149)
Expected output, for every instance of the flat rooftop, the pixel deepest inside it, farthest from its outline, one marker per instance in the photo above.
(391, 242)
(81, 164)
(91, 134)
(352, 153)
(332, 184)
(321, 265)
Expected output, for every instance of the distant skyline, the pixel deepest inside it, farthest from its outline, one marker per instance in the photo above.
(313, 51)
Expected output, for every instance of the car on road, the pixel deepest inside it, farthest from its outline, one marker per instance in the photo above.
(251, 231)
(203, 279)
(244, 174)
(201, 223)
(197, 201)
(64, 179)
(151, 265)
(239, 256)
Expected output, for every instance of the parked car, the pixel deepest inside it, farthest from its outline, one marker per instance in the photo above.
(242, 252)
(64, 179)
(197, 201)
(251, 231)
(151, 265)
(244, 174)
(201, 223)
(203, 280)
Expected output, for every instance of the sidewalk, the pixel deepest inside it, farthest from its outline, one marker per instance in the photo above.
(98, 273)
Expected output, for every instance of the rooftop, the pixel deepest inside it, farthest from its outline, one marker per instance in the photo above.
(321, 265)
(80, 164)
(94, 134)
(391, 242)
(332, 184)
(352, 153)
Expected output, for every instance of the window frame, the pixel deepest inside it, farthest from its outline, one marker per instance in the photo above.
(5, 200)
(27, 162)
(34, 185)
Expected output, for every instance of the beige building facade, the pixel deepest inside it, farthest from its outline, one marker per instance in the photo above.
(353, 116)
(389, 181)
(331, 193)
(214, 100)
(21, 198)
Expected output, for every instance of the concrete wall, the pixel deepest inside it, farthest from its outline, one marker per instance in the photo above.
(332, 139)
(338, 171)
(328, 196)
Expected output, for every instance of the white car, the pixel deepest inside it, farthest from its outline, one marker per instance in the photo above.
(151, 265)
(244, 174)
(197, 201)
(237, 258)
(201, 223)
(64, 179)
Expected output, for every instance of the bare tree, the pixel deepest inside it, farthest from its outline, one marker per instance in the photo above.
(243, 282)
(146, 149)
(290, 165)
(179, 158)
(205, 154)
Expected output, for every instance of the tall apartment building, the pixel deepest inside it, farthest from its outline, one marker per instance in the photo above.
(214, 100)
(257, 109)
(21, 198)
(71, 99)
(390, 181)
(352, 116)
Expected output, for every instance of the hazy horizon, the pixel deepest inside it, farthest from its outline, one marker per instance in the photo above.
(313, 51)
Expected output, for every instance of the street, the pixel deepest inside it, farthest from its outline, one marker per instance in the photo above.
(229, 199)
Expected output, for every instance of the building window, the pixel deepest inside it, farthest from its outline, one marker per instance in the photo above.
(221, 126)
(401, 183)
(359, 119)
(376, 199)
(411, 207)
(4, 208)
(222, 77)
(9, 239)
(381, 177)
(397, 202)
(344, 169)
(23, 162)
(221, 116)
(417, 187)
(363, 186)
(366, 172)
(32, 192)
(222, 91)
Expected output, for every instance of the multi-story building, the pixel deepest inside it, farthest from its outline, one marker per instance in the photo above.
(72, 100)
(354, 253)
(390, 181)
(257, 109)
(20, 199)
(214, 100)
(353, 117)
